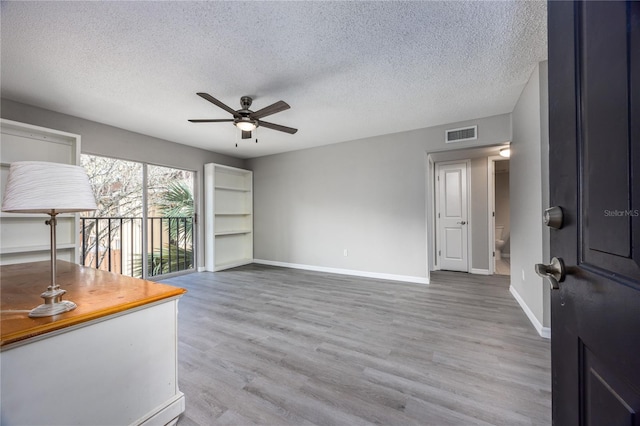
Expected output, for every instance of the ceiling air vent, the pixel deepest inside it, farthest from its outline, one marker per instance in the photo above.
(459, 135)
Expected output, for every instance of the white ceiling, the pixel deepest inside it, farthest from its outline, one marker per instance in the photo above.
(348, 69)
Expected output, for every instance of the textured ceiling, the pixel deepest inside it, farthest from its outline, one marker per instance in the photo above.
(348, 69)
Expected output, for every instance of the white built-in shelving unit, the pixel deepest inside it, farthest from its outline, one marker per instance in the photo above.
(25, 237)
(228, 217)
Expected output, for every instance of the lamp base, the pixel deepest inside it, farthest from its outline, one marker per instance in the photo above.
(51, 309)
(53, 303)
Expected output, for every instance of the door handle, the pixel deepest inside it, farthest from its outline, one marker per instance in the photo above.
(554, 272)
(462, 223)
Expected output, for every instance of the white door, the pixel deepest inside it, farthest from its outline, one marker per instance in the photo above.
(452, 216)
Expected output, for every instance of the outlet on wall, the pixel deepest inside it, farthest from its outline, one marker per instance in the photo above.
(346, 252)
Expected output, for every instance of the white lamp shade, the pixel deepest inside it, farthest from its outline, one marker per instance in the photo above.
(42, 187)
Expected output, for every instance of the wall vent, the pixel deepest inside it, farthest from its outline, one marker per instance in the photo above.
(463, 134)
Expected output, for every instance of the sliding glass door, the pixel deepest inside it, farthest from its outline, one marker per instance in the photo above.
(145, 222)
(170, 219)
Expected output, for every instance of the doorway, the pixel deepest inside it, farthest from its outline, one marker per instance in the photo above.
(479, 222)
(499, 215)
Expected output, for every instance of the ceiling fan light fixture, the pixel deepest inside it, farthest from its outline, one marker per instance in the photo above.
(246, 124)
(245, 119)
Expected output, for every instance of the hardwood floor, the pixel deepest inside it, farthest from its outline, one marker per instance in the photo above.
(267, 345)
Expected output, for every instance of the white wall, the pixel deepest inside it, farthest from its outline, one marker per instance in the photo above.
(529, 151)
(101, 139)
(366, 196)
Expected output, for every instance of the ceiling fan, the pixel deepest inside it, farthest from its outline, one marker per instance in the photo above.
(245, 119)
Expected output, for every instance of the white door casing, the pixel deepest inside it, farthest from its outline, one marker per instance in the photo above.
(452, 216)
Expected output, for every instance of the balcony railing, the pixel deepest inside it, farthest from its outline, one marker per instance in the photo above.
(116, 244)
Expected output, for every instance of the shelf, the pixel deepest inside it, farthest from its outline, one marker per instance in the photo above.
(235, 263)
(228, 201)
(29, 249)
(229, 188)
(24, 236)
(236, 232)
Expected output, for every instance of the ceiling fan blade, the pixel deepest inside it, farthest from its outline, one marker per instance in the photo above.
(271, 109)
(246, 134)
(278, 127)
(218, 103)
(213, 120)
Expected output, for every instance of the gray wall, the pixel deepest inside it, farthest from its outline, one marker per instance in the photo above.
(479, 214)
(544, 150)
(101, 139)
(502, 208)
(367, 196)
(530, 134)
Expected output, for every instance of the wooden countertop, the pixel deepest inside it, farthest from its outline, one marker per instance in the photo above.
(97, 293)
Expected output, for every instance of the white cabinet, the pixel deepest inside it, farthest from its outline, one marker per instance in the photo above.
(111, 361)
(25, 237)
(228, 217)
(119, 370)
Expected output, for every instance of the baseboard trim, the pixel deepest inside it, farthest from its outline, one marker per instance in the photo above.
(542, 331)
(201, 269)
(479, 271)
(166, 414)
(378, 275)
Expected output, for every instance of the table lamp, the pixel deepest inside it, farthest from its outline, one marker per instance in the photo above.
(51, 188)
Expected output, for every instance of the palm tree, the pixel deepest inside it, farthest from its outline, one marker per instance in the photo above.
(177, 201)
(175, 205)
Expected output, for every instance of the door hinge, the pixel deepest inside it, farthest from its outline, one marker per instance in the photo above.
(439, 253)
(493, 214)
(438, 215)
(494, 254)
(195, 218)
